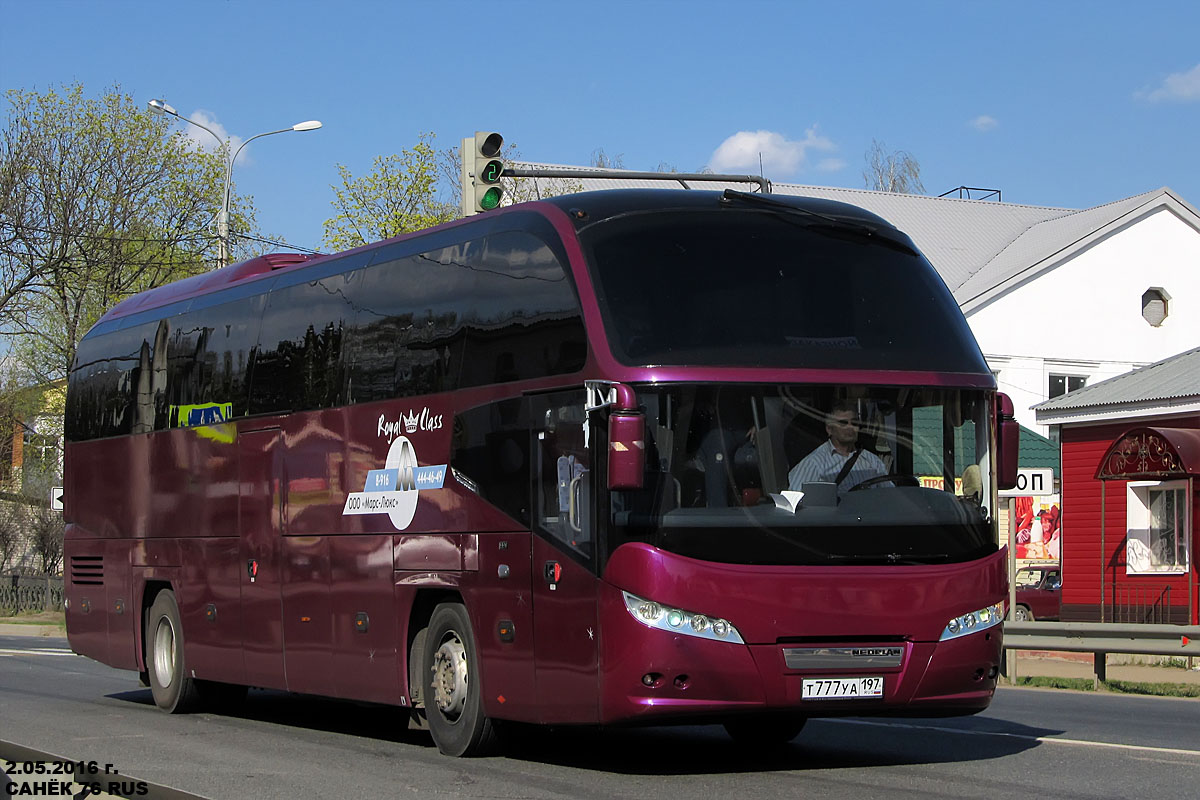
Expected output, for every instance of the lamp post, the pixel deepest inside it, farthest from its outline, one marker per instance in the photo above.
(162, 107)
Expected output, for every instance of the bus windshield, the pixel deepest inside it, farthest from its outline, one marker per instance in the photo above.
(764, 287)
(753, 474)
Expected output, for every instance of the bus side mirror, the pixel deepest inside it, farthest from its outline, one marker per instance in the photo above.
(1008, 433)
(626, 441)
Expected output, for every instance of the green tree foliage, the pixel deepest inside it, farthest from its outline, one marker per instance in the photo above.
(897, 171)
(414, 189)
(398, 196)
(98, 200)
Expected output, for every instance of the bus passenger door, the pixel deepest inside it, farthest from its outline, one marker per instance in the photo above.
(260, 522)
(565, 585)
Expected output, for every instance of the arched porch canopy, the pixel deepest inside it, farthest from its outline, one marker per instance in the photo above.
(1152, 454)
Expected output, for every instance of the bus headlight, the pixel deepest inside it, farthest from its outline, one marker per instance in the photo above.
(976, 621)
(676, 620)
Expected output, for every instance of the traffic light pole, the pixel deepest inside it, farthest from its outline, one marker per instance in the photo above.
(764, 185)
(483, 166)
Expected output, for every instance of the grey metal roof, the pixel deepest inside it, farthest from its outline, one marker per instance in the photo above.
(1172, 379)
(957, 236)
(1052, 237)
(977, 246)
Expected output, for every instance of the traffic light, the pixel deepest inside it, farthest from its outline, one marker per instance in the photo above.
(482, 167)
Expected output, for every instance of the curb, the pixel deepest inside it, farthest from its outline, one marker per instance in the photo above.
(13, 629)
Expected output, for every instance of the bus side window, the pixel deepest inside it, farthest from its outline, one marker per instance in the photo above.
(491, 448)
(564, 476)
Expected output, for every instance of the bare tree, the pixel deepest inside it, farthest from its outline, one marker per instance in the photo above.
(897, 171)
(10, 534)
(46, 530)
(601, 160)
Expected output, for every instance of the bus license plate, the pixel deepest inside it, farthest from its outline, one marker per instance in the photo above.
(842, 688)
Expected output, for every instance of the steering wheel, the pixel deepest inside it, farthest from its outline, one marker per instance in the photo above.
(899, 480)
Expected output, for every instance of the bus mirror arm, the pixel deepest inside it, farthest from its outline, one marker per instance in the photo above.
(1008, 433)
(626, 441)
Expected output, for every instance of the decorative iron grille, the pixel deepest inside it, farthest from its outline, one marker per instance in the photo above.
(24, 593)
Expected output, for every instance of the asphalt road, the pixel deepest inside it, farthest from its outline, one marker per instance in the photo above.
(1030, 743)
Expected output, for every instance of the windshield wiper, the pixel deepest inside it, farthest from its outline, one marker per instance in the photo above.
(892, 558)
(873, 233)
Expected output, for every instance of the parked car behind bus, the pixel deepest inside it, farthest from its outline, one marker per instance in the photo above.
(1039, 593)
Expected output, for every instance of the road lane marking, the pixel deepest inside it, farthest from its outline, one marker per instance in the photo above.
(37, 651)
(1046, 739)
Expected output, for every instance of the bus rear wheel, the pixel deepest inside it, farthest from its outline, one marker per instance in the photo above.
(173, 688)
(764, 732)
(453, 702)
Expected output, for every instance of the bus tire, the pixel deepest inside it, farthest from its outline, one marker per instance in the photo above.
(173, 688)
(764, 732)
(453, 701)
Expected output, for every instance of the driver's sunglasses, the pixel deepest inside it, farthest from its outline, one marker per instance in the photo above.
(855, 422)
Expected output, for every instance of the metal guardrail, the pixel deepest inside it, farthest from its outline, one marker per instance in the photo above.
(1100, 639)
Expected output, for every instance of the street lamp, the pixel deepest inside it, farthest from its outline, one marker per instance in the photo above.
(162, 107)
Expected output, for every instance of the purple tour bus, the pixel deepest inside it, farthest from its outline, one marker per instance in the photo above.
(543, 465)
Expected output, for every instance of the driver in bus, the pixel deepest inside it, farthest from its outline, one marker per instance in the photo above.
(839, 459)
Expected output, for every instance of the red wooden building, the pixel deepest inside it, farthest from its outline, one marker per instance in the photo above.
(1130, 463)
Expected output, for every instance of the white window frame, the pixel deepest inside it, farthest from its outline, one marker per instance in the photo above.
(1139, 559)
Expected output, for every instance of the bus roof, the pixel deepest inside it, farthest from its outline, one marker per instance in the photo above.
(583, 208)
(603, 204)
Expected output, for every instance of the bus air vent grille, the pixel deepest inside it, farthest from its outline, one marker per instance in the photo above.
(87, 570)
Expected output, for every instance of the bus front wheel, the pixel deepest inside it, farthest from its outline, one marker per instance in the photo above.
(173, 688)
(453, 703)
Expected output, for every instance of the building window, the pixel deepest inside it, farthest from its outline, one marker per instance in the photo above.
(1154, 305)
(1061, 384)
(1158, 531)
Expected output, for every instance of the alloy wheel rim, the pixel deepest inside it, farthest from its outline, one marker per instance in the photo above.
(450, 677)
(164, 652)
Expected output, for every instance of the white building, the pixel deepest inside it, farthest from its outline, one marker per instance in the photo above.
(1058, 298)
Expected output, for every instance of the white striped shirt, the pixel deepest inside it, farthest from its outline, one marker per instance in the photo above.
(824, 464)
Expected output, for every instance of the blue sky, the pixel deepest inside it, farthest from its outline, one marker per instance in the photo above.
(1069, 104)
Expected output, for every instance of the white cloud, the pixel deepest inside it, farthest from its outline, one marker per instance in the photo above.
(983, 123)
(1179, 87)
(206, 141)
(830, 165)
(780, 156)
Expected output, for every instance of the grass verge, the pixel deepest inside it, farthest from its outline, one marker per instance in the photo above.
(1158, 689)
(53, 618)
(1078, 684)
(1119, 687)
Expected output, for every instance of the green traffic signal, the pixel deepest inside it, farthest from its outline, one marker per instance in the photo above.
(491, 198)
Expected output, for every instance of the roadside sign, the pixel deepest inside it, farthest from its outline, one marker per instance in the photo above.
(1032, 483)
(56, 498)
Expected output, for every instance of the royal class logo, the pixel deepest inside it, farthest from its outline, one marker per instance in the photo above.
(408, 423)
(393, 490)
